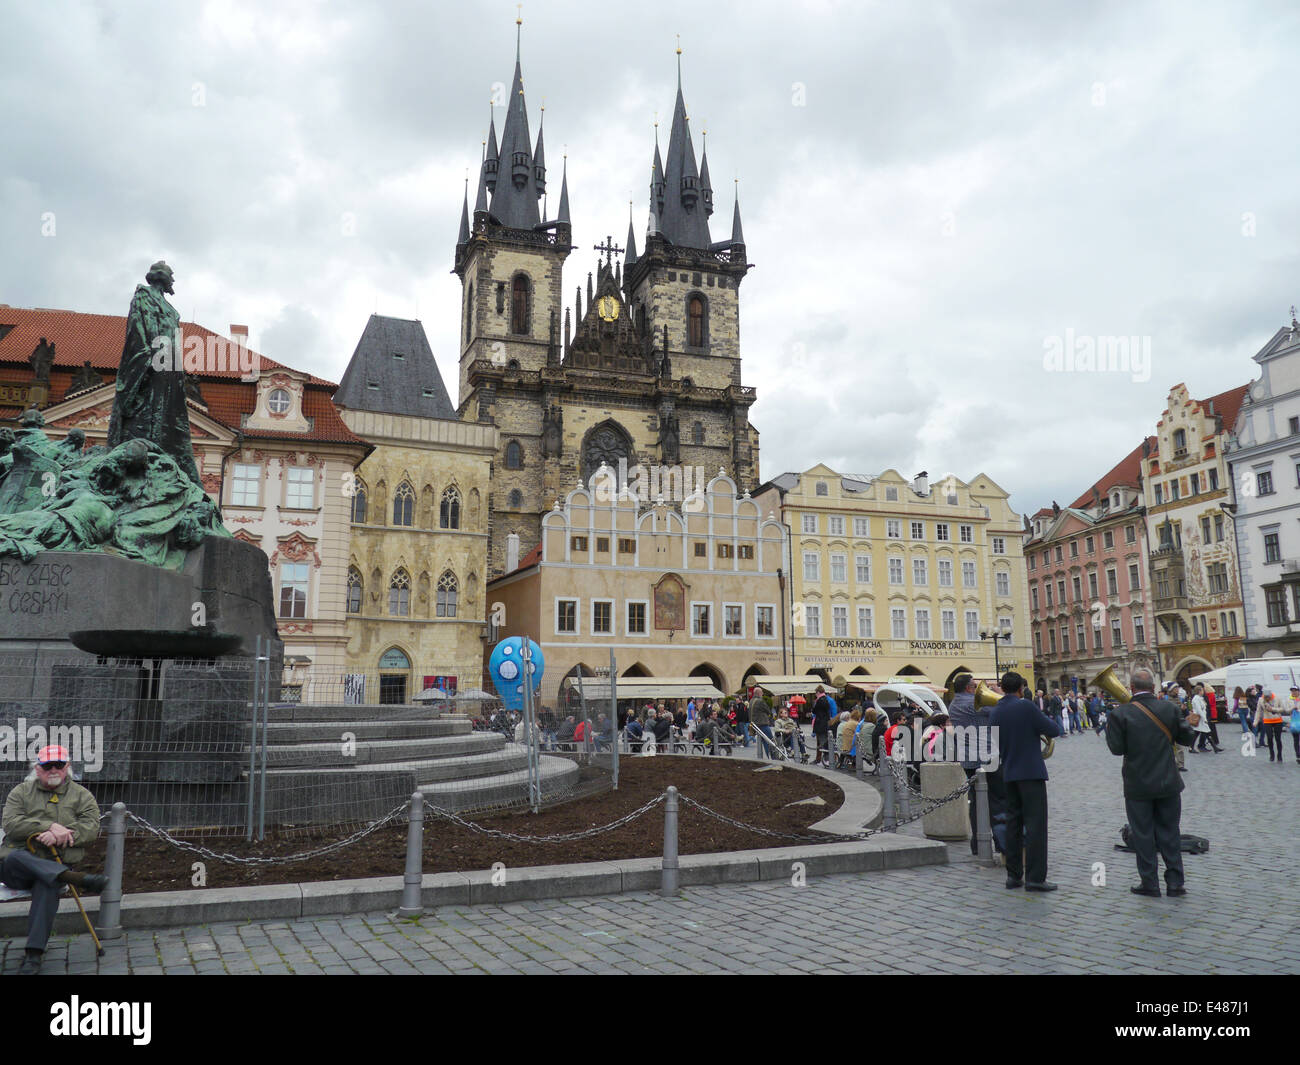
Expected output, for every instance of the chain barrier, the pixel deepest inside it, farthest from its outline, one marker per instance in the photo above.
(235, 859)
(558, 837)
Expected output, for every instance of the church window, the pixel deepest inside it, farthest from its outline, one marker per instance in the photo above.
(449, 511)
(359, 503)
(501, 297)
(519, 300)
(516, 499)
(404, 505)
(696, 333)
(697, 433)
(469, 313)
(447, 591)
(354, 590)
(399, 594)
(514, 456)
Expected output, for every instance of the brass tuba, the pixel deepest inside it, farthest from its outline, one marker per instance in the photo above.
(985, 696)
(1111, 684)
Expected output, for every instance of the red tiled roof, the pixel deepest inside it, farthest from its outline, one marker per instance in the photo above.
(1123, 472)
(1227, 404)
(98, 338)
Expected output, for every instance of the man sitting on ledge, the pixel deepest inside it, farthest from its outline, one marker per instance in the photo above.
(60, 813)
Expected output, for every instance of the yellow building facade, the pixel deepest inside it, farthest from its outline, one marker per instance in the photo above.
(675, 590)
(890, 576)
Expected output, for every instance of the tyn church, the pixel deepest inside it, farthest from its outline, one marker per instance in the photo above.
(644, 365)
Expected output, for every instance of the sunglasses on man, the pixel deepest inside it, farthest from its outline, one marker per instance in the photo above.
(53, 765)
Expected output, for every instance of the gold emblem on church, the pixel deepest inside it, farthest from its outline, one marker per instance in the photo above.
(607, 308)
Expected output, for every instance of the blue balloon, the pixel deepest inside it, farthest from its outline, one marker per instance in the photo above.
(507, 667)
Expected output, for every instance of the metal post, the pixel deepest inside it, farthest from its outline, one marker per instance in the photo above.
(669, 885)
(887, 786)
(411, 902)
(530, 729)
(252, 738)
(613, 714)
(110, 901)
(858, 766)
(983, 823)
(266, 713)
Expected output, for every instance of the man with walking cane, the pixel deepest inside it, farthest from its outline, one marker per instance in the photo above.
(47, 814)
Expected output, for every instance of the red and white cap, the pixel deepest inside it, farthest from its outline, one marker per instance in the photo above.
(52, 753)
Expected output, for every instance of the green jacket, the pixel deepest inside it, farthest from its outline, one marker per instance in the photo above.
(31, 809)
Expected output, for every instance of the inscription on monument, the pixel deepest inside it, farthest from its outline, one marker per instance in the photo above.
(36, 588)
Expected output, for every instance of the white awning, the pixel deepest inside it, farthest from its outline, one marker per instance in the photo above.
(790, 684)
(646, 688)
(1216, 678)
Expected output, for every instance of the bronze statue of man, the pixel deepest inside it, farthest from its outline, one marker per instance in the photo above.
(150, 400)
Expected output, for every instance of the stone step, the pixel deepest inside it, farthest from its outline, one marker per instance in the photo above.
(409, 750)
(456, 772)
(504, 789)
(358, 712)
(287, 732)
(441, 726)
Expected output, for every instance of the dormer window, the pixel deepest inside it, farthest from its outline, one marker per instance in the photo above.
(1114, 500)
(278, 401)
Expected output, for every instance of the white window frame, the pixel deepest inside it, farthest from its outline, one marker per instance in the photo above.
(810, 524)
(966, 533)
(923, 623)
(835, 525)
(613, 618)
(812, 619)
(862, 528)
(704, 603)
(999, 545)
(627, 628)
(901, 570)
(920, 572)
(304, 584)
(972, 625)
(870, 627)
(758, 631)
(235, 482)
(894, 528)
(947, 624)
(843, 578)
(917, 529)
(740, 610)
(941, 563)
(862, 563)
(309, 482)
(1002, 583)
(897, 615)
(843, 616)
(974, 582)
(577, 615)
(816, 558)
(942, 531)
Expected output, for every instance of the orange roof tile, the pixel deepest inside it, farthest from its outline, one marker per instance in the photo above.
(1123, 472)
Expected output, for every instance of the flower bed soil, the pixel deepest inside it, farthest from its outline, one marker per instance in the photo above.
(730, 787)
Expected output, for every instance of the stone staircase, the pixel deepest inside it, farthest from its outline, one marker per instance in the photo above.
(338, 763)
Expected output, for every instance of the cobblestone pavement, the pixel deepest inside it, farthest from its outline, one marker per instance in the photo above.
(1241, 913)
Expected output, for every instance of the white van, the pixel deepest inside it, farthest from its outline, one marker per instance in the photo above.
(1277, 675)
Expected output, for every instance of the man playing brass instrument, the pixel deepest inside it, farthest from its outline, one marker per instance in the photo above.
(1145, 732)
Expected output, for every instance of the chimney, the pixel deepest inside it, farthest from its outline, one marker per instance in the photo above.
(921, 485)
(512, 552)
(240, 333)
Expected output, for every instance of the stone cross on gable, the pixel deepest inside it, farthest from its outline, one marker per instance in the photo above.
(610, 249)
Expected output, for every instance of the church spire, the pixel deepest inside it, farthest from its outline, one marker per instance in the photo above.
(682, 221)
(631, 237)
(539, 157)
(490, 161)
(563, 216)
(514, 199)
(464, 214)
(737, 234)
(706, 189)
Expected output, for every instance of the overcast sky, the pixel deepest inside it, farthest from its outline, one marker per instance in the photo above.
(930, 192)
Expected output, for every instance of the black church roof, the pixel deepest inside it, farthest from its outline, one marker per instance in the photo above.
(393, 371)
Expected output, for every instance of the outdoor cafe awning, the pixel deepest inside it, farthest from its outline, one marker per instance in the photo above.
(794, 684)
(646, 688)
(871, 685)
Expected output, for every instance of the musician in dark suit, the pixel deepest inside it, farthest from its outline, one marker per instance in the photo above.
(1144, 731)
(1020, 724)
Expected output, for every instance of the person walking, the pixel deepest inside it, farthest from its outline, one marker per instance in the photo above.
(1270, 714)
(1020, 727)
(1201, 708)
(1241, 708)
(1293, 712)
(821, 715)
(1144, 732)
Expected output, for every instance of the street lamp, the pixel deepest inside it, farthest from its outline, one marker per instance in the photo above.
(995, 636)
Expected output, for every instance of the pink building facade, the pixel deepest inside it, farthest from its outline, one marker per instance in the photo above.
(1087, 574)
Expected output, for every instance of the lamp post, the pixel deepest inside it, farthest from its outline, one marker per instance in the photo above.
(995, 636)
